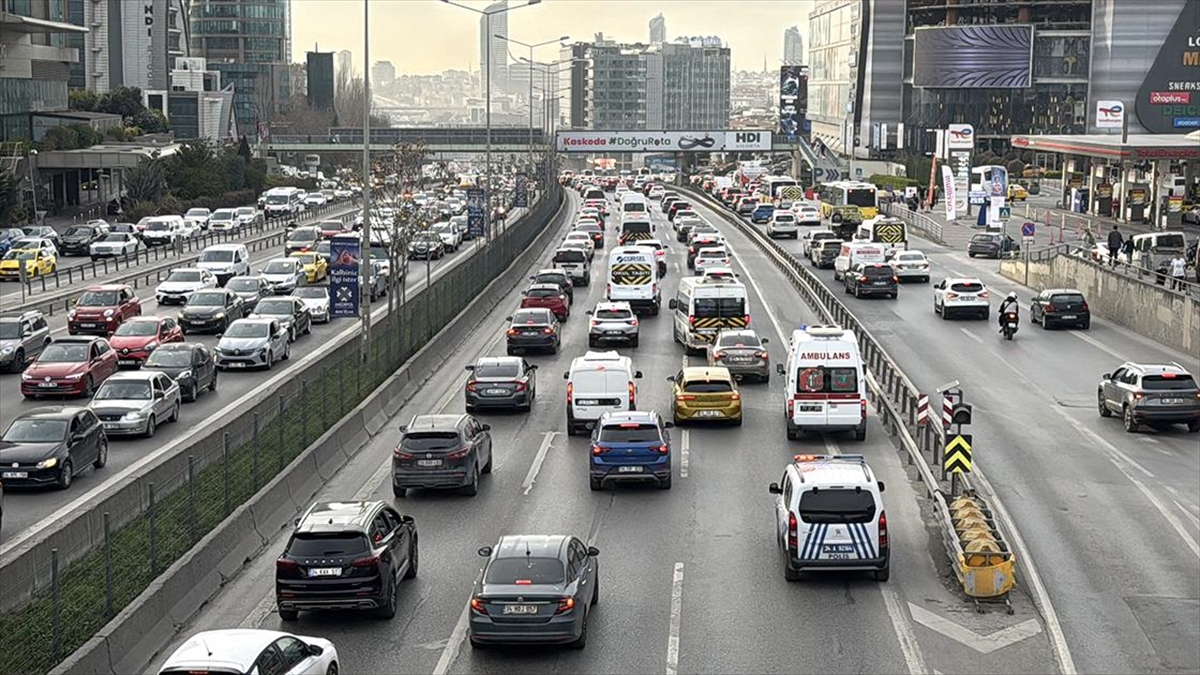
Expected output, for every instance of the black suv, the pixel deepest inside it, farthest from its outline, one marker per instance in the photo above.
(441, 451)
(866, 279)
(346, 555)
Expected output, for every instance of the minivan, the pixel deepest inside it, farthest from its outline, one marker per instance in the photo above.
(225, 261)
(574, 262)
(597, 383)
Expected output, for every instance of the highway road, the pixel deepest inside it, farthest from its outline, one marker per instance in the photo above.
(29, 508)
(690, 579)
(1111, 520)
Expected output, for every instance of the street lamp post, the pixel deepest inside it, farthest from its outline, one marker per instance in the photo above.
(32, 184)
(364, 245)
(547, 92)
(530, 64)
(487, 106)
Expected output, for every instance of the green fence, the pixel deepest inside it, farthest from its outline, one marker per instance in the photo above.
(176, 514)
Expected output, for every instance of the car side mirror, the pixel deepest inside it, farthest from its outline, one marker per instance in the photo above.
(637, 375)
(671, 304)
(315, 650)
(533, 367)
(1106, 376)
(779, 368)
(402, 428)
(670, 378)
(881, 486)
(764, 341)
(485, 551)
(485, 427)
(566, 376)
(219, 335)
(471, 368)
(77, 438)
(407, 520)
(774, 489)
(593, 551)
(668, 425)
(508, 318)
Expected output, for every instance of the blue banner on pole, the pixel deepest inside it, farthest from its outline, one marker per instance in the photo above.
(344, 256)
(476, 212)
(521, 197)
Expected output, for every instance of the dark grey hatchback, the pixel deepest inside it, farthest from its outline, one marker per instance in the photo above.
(501, 382)
(440, 452)
(535, 589)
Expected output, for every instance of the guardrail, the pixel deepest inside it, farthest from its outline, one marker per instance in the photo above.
(923, 224)
(984, 574)
(59, 294)
(1121, 265)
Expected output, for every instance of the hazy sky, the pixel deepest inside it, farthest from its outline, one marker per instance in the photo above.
(428, 36)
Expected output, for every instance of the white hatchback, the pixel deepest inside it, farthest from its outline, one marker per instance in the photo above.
(783, 224)
(252, 650)
(961, 295)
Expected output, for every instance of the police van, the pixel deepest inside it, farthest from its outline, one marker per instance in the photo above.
(597, 383)
(705, 305)
(890, 233)
(633, 278)
(826, 387)
(829, 515)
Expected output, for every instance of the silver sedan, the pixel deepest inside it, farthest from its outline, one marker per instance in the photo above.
(742, 352)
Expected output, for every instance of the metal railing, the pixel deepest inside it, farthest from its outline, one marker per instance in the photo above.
(1121, 265)
(924, 225)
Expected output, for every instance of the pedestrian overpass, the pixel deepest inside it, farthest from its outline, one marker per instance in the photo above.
(437, 140)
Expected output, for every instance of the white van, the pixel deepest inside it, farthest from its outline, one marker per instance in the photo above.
(575, 262)
(635, 226)
(225, 261)
(705, 305)
(1159, 248)
(855, 252)
(826, 387)
(634, 203)
(599, 382)
(284, 201)
(633, 278)
(829, 515)
(162, 230)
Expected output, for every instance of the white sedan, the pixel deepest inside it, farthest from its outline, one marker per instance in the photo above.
(316, 299)
(181, 283)
(114, 244)
(712, 256)
(315, 199)
(806, 214)
(910, 265)
(252, 650)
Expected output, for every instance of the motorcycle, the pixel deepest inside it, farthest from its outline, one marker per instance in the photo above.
(1009, 325)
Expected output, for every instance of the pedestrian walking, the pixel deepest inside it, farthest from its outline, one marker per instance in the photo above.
(1127, 249)
(1115, 240)
(1178, 272)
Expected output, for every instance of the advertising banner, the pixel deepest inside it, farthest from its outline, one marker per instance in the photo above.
(960, 137)
(344, 257)
(1110, 114)
(1168, 102)
(793, 102)
(662, 141)
(476, 212)
(961, 161)
(948, 193)
(998, 182)
(981, 56)
(521, 195)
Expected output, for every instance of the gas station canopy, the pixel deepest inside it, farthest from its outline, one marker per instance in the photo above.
(1136, 147)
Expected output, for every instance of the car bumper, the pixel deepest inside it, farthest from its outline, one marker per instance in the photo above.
(201, 325)
(123, 428)
(433, 480)
(101, 327)
(609, 336)
(1172, 415)
(760, 369)
(76, 249)
(547, 342)
(979, 310)
(133, 359)
(105, 253)
(609, 474)
(912, 273)
(171, 298)
(800, 564)
(33, 477)
(1076, 318)
(730, 413)
(868, 291)
(512, 400)
(990, 252)
(558, 630)
(57, 388)
(308, 595)
(241, 361)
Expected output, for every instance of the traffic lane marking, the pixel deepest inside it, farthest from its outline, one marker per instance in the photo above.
(684, 453)
(676, 617)
(984, 644)
(536, 466)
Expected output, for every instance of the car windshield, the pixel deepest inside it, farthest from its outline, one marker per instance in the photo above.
(430, 440)
(137, 328)
(511, 370)
(158, 225)
(113, 390)
(1169, 241)
(617, 314)
(707, 308)
(98, 299)
(837, 506)
(218, 256)
(116, 238)
(312, 545)
(20, 254)
(1168, 382)
(247, 329)
(210, 299)
(523, 570)
(910, 257)
(242, 284)
(245, 211)
(880, 271)
(10, 330)
(708, 386)
(985, 238)
(312, 292)
(822, 380)
(276, 200)
(279, 267)
(967, 287)
(185, 276)
(272, 306)
(629, 432)
(1066, 299)
(784, 217)
(201, 213)
(79, 231)
(748, 341)
(547, 278)
(223, 214)
(307, 258)
(168, 357)
(303, 234)
(36, 431)
(64, 353)
(569, 256)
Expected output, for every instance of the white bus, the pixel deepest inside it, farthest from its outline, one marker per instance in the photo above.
(770, 185)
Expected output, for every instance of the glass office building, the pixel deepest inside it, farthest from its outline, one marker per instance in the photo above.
(249, 43)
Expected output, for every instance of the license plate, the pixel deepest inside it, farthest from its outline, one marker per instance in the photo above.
(236, 364)
(587, 401)
(810, 407)
(520, 609)
(738, 359)
(46, 385)
(529, 332)
(629, 469)
(837, 556)
(1070, 316)
(325, 572)
(495, 392)
(127, 362)
(1171, 401)
(613, 332)
(111, 425)
(16, 474)
(710, 413)
(87, 325)
(879, 283)
(429, 462)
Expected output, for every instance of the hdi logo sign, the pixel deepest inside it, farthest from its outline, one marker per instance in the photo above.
(748, 140)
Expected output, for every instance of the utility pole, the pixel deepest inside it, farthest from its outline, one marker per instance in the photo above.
(364, 246)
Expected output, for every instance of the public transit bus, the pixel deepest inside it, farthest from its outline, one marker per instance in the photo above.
(849, 193)
(771, 185)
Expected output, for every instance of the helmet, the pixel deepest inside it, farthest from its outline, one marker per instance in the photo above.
(1012, 296)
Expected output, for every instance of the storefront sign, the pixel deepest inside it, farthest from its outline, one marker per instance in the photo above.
(960, 137)
(1110, 114)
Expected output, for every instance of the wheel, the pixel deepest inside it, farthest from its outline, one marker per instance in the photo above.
(212, 384)
(399, 491)
(665, 484)
(793, 434)
(1193, 426)
(308, 328)
(970, 254)
(487, 468)
(291, 335)
(189, 394)
(88, 387)
(270, 359)
(790, 574)
(581, 641)
(101, 455)
(414, 552)
(174, 414)
(846, 289)
(737, 422)
(591, 343)
(289, 615)
(1131, 425)
(332, 669)
(860, 434)
(65, 476)
(19, 360)
(388, 609)
(510, 351)
(471, 489)
(1045, 325)
(883, 574)
(1085, 325)
(858, 293)
(596, 590)
(287, 352)
(150, 427)
(634, 343)
(1101, 406)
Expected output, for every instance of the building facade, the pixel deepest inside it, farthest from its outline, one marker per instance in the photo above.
(319, 76)
(249, 43)
(37, 63)
(383, 74)
(494, 75)
(696, 83)
(793, 47)
(129, 43)
(658, 30)
(197, 105)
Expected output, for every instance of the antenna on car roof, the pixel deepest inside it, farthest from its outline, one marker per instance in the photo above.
(204, 643)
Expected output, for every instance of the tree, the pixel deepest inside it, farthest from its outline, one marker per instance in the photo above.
(151, 121)
(146, 181)
(82, 99)
(1015, 168)
(12, 212)
(244, 149)
(123, 101)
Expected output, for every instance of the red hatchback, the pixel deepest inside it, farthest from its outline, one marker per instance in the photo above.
(69, 367)
(102, 309)
(135, 339)
(549, 296)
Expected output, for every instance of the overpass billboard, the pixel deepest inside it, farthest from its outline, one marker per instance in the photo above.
(663, 141)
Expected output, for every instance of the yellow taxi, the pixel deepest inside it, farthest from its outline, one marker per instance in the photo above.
(38, 262)
(316, 267)
(705, 394)
(1017, 193)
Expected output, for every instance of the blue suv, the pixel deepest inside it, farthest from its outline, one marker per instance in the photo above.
(762, 213)
(631, 447)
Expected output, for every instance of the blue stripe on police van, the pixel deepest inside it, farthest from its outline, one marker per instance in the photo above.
(814, 545)
(868, 547)
(821, 541)
(856, 539)
(807, 542)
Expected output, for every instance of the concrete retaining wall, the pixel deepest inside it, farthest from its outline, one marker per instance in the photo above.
(1143, 307)
(130, 641)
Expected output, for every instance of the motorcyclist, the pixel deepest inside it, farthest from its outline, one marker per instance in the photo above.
(1007, 305)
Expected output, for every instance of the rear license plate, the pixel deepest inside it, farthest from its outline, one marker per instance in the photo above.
(325, 572)
(837, 551)
(429, 462)
(16, 474)
(613, 332)
(127, 362)
(495, 392)
(810, 407)
(1069, 316)
(710, 413)
(1171, 401)
(738, 359)
(529, 332)
(587, 401)
(520, 609)
(879, 283)
(629, 469)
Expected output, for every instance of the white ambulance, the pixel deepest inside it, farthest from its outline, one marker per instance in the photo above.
(826, 385)
(829, 516)
(633, 278)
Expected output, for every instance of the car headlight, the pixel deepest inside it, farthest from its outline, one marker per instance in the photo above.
(184, 375)
(219, 315)
(71, 314)
(48, 463)
(26, 376)
(108, 313)
(150, 347)
(134, 416)
(73, 377)
(7, 350)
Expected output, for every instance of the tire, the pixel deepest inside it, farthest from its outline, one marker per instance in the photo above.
(212, 384)
(308, 328)
(596, 590)
(591, 343)
(883, 574)
(270, 359)
(19, 360)
(150, 427)
(1193, 426)
(89, 387)
(846, 289)
(287, 352)
(581, 641)
(737, 422)
(471, 489)
(174, 414)
(388, 610)
(594, 484)
(860, 434)
(1131, 425)
(634, 343)
(288, 615)
(790, 574)
(332, 669)
(66, 475)
(487, 468)
(414, 558)
(969, 254)
(399, 491)
(1104, 411)
(1085, 325)
(102, 455)
(1045, 325)
(665, 484)
(189, 394)
(793, 434)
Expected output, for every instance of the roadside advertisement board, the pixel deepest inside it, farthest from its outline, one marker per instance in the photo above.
(521, 195)
(662, 141)
(793, 102)
(477, 212)
(344, 258)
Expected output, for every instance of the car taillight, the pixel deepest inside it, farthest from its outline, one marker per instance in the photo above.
(718, 355)
(984, 294)
(654, 289)
(1137, 396)
(747, 318)
(478, 606)
(519, 386)
(633, 322)
(285, 564)
(371, 561)
(548, 331)
(631, 396)
(791, 407)
(883, 533)
(471, 386)
(662, 449)
(762, 355)
(565, 605)
(862, 408)
(512, 331)
(400, 454)
(458, 454)
(570, 392)
(895, 279)
(792, 526)
(692, 320)
(952, 296)
(1050, 308)
(684, 397)
(599, 449)
(863, 279)
(735, 396)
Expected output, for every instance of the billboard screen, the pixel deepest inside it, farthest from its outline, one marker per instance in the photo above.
(662, 141)
(476, 212)
(793, 102)
(1169, 99)
(344, 257)
(973, 56)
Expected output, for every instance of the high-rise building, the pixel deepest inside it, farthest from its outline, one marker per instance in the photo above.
(793, 47)
(129, 43)
(197, 105)
(658, 30)
(383, 73)
(345, 65)
(36, 63)
(319, 77)
(249, 43)
(494, 22)
(695, 86)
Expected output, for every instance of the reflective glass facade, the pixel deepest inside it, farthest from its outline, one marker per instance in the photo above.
(249, 42)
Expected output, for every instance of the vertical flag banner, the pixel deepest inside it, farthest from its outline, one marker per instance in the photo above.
(476, 212)
(344, 257)
(948, 194)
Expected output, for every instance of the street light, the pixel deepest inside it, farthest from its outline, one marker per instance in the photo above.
(364, 242)
(530, 64)
(487, 106)
(545, 89)
(32, 184)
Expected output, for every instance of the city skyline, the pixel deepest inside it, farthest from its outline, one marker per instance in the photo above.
(422, 51)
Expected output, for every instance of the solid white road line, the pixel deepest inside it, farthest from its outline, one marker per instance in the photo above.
(782, 337)
(904, 633)
(454, 644)
(531, 477)
(1099, 345)
(685, 444)
(971, 335)
(676, 617)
